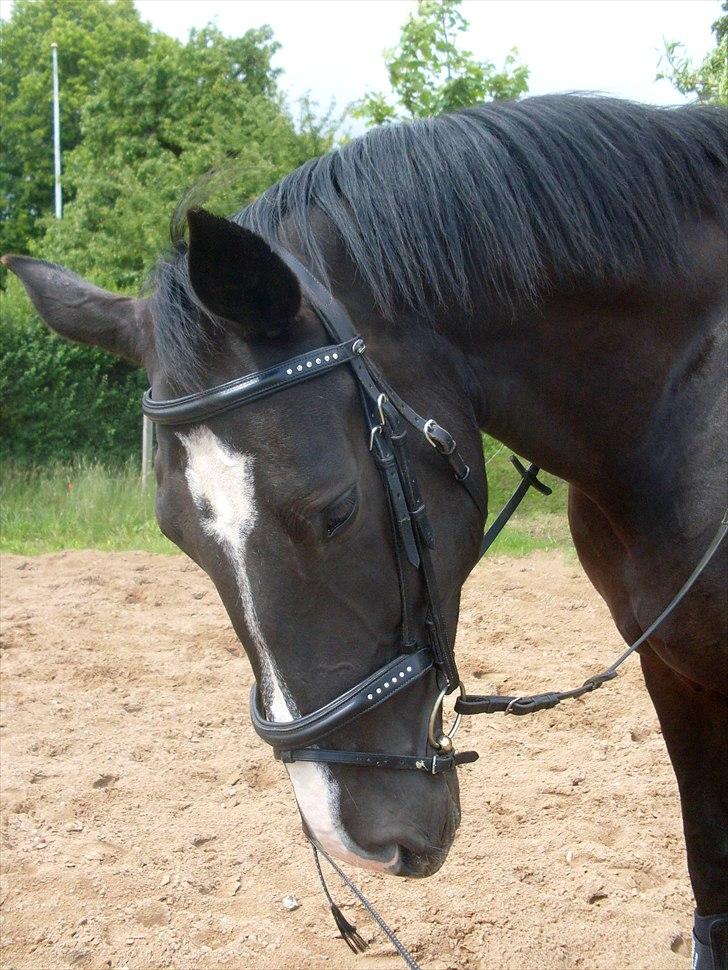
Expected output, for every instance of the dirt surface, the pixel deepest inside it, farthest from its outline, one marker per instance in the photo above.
(144, 825)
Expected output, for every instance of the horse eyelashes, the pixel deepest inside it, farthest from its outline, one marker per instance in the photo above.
(338, 515)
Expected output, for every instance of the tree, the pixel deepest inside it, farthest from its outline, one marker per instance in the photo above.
(429, 73)
(89, 36)
(144, 117)
(159, 124)
(708, 81)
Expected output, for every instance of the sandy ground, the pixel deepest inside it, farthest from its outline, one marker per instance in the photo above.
(144, 826)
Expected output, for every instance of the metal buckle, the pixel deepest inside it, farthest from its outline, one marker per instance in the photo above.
(378, 428)
(422, 765)
(512, 704)
(427, 433)
(381, 401)
(443, 741)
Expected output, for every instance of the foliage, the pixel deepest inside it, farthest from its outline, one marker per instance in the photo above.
(429, 73)
(709, 80)
(77, 506)
(60, 400)
(160, 124)
(143, 118)
(90, 36)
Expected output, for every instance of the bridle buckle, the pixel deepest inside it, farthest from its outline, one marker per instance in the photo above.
(381, 401)
(509, 709)
(440, 439)
(378, 428)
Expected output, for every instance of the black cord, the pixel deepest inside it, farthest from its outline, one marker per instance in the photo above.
(389, 933)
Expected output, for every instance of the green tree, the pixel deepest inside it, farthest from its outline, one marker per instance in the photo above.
(429, 73)
(709, 80)
(158, 124)
(145, 116)
(89, 36)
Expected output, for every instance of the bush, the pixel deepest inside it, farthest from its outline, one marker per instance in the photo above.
(59, 400)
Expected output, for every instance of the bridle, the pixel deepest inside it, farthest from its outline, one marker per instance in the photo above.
(387, 418)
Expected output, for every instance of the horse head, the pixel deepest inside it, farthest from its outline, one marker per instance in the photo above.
(281, 503)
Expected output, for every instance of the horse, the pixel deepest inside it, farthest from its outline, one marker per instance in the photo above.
(550, 271)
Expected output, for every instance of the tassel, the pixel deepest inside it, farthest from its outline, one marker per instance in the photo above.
(348, 932)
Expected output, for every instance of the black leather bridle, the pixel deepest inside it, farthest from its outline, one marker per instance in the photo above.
(387, 417)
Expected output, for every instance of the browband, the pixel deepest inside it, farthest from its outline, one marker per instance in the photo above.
(241, 390)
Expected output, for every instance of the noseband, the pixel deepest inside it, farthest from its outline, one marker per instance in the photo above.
(387, 417)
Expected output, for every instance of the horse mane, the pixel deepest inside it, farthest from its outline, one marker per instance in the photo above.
(502, 200)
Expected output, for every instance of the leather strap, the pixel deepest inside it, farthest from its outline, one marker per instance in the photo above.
(433, 765)
(339, 326)
(385, 460)
(412, 531)
(208, 404)
(530, 703)
(529, 479)
(381, 686)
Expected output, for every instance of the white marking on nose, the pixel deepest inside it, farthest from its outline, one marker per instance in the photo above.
(222, 487)
(221, 483)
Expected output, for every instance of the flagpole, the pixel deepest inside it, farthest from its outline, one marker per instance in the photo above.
(56, 136)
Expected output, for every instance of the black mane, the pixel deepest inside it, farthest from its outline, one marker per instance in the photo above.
(498, 199)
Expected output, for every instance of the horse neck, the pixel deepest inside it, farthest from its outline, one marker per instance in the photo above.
(607, 393)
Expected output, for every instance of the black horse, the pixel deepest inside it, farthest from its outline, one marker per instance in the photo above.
(551, 271)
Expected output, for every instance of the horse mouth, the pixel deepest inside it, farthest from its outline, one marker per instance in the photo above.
(420, 864)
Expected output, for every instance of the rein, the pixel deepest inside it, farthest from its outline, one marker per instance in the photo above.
(387, 418)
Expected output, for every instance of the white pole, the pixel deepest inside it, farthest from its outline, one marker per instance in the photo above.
(147, 450)
(56, 135)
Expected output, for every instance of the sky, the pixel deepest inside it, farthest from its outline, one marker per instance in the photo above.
(332, 49)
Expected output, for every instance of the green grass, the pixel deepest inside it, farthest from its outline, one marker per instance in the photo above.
(83, 506)
(89, 505)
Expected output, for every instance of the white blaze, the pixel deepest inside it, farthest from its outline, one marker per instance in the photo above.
(222, 486)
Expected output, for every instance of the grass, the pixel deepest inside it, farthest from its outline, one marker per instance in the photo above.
(540, 522)
(83, 506)
(89, 505)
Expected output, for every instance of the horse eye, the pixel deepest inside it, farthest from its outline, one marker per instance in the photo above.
(340, 513)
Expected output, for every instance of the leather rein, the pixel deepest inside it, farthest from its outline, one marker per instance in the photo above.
(388, 417)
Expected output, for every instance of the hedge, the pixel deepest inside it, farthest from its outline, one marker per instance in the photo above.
(60, 401)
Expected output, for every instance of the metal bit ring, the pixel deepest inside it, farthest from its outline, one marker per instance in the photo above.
(442, 741)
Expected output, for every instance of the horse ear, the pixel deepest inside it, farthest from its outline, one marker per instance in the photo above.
(80, 311)
(236, 274)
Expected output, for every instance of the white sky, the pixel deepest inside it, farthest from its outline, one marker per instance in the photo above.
(333, 48)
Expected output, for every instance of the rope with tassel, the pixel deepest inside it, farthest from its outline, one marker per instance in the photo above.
(349, 932)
